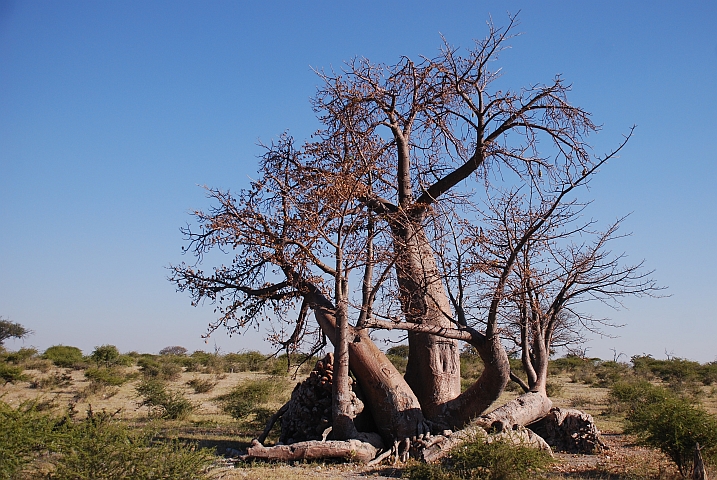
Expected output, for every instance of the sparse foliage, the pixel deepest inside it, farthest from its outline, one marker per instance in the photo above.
(10, 329)
(430, 201)
(247, 397)
(163, 402)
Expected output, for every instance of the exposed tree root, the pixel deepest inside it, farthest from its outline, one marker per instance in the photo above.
(350, 450)
(522, 411)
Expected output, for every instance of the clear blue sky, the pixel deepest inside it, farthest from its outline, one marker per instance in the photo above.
(112, 114)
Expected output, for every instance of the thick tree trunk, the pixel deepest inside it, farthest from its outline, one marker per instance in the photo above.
(474, 401)
(480, 396)
(519, 412)
(433, 369)
(341, 407)
(392, 403)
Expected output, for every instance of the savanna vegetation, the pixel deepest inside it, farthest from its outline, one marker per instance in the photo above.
(116, 415)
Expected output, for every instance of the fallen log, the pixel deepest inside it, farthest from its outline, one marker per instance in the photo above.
(350, 450)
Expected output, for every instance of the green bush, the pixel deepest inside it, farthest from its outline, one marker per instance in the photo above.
(96, 447)
(21, 356)
(162, 402)
(106, 355)
(497, 460)
(107, 376)
(206, 362)
(201, 385)
(553, 389)
(101, 447)
(675, 426)
(160, 369)
(246, 398)
(661, 419)
(251, 361)
(64, 356)
(607, 373)
(398, 355)
(11, 373)
(25, 432)
(631, 394)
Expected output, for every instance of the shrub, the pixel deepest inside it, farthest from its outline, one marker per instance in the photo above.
(201, 385)
(162, 402)
(107, 376)
(251, 361)
(96, 447)
(209, 362)
(64, 356)
(106, 355)
(708, 373)
(674, 426)
(11, 373)
(608, 373)
(553, 389)
(159, 369)
(497, 460)
(246, 398)
(24, 432)
(56, 380)
(631, 394)
(661, 419)
(21, 356)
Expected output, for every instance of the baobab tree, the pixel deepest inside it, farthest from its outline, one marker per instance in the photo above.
(351, 226)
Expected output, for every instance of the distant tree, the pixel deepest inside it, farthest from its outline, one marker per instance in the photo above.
(10, 329)
(173, 350)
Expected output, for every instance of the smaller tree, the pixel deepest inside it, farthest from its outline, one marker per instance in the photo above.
(661, 419)
(173, 350)
(10, 329)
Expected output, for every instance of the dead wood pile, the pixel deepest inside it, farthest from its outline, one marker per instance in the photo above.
(571, 431)
(308, 413)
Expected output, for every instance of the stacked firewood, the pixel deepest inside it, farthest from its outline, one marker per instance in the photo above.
(308, 413)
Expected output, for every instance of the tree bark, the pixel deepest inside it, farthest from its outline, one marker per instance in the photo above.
(353, 450)
(341, 408)
(433, 369)
(480, 396)
(393, 405)
(486, 390)
(520, 412)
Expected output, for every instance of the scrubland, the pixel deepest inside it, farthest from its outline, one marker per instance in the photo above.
(65, 415)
